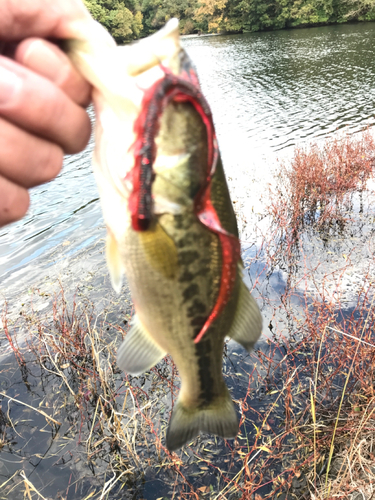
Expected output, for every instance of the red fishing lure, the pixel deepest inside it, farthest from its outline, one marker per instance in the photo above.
(183, 88)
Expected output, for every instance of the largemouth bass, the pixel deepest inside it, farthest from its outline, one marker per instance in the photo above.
(171, 225)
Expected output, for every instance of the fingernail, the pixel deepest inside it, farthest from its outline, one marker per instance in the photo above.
(10, 84)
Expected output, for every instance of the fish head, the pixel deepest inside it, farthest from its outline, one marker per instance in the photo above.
(120, 76)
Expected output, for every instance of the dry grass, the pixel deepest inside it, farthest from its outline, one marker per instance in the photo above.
(306, 399)
(317, 188)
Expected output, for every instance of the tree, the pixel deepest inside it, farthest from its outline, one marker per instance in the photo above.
(211, 11)
(117, 17)
(360, 9)
(127, 19)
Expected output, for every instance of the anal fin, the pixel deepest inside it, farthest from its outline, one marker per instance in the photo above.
(219, 417)
(247, 324)
(138, 352)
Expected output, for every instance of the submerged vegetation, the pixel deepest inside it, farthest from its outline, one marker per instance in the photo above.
(130, 19)
(317, 188)
(305, 397)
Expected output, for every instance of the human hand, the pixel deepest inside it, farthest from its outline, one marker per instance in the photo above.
(42, 98)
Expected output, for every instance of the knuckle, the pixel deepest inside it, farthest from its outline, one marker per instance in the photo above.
(22, 13)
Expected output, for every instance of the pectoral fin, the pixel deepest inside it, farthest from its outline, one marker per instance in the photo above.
(138, 352)
(115, 266)
(247, 324)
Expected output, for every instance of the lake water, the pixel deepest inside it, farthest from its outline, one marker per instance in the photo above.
(268, 92)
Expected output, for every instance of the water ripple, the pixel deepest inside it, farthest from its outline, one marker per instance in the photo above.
(290, 86)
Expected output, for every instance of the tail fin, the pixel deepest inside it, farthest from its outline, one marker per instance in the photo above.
(219, 417)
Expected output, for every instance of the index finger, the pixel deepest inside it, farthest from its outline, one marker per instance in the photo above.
(41, 18)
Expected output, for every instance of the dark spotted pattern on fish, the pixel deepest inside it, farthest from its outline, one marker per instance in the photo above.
(193, 267)
(197, 307)
(198, 321)
(187, 240)
(191, 291)
(179, 222)
(188, 257)
(203, 352)
(186, 277)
